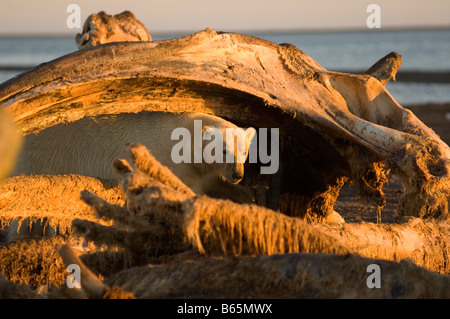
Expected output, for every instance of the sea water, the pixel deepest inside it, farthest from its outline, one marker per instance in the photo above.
(421, 50)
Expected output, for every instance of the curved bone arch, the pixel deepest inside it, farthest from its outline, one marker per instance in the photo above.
(333, 126)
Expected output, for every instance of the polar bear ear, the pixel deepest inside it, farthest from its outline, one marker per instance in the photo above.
(251, 132)
(208, 131)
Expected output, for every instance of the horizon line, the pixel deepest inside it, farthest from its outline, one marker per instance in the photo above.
(161, 33)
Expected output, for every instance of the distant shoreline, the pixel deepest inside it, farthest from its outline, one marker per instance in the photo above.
(16, 67)
(423, 77)
(259, 32)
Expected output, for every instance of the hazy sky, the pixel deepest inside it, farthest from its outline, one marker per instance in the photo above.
(49, 16)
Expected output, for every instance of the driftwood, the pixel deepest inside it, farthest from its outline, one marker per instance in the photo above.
(333, 126)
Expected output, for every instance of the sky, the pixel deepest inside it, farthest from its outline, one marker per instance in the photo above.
(31, 17)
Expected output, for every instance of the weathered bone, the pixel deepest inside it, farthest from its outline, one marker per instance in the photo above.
(10, 142)
(216, 226)
(91, 286)
(386, 68)
(329, 121)
(103, 28)
(53, 201)
(250, 229)
(285, 276)
(89, 281)
(152, 208)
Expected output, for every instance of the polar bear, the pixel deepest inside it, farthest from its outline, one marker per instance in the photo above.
(89, 146)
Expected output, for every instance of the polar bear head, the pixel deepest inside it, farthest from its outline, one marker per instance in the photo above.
(228, 150)
(212, 146)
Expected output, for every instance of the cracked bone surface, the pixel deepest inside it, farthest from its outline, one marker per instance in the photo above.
(10, 143)
(333, 126)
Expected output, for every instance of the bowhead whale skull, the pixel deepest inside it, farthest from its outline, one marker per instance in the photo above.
(333, 126)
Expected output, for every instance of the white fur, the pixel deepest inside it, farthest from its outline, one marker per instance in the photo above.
(89, 146)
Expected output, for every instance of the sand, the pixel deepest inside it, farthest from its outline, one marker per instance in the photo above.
(436, 116)
(353, 209)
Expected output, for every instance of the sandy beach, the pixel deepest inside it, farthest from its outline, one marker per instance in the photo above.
(354, 209)
(435, 116)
